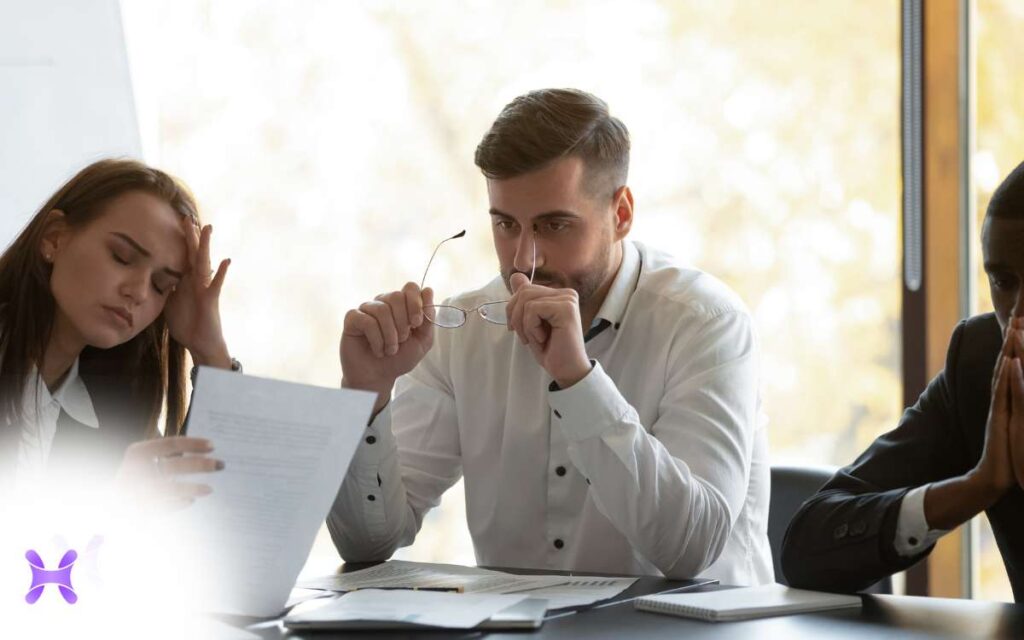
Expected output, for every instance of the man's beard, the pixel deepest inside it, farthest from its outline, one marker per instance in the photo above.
(586, 282)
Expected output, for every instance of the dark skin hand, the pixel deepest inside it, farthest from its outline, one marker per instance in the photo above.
(949, 503)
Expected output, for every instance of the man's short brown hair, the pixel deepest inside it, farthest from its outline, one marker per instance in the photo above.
(542, 126)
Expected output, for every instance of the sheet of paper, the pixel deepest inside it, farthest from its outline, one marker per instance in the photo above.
(448, 610)
(286, 448)
(400, 574)
(207, 629)
(298, 596)
(560, 591)
(580, 591)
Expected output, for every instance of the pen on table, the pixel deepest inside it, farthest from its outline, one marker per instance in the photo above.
(442, 589)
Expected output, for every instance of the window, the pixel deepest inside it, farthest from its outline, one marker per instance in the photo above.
(999, 147)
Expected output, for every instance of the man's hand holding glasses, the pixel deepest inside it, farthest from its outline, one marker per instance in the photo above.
(548, 321)
(387, 337)
(384, 339)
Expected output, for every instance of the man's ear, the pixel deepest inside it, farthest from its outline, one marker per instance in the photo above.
(55, 232)
(623, 204)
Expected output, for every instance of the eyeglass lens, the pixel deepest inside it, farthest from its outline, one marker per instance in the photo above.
(449, 317)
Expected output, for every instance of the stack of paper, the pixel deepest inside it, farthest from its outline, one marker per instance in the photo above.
(286, 448)
(427, 608)
(559, 591)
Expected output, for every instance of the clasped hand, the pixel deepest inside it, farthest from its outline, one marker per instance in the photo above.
(1002, 463)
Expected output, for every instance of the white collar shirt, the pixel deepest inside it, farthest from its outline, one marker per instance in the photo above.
(655, 463)
(41, 411)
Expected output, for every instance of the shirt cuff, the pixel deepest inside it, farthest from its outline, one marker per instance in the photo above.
(912, 533)
(590, 407)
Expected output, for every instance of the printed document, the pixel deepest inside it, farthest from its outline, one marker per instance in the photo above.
(286, 448)
(435, 609)
(559, 591)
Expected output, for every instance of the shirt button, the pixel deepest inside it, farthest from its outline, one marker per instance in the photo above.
(840, 531)
(588, 480)
(913, 541)
(371, 497)
(858, 528)
(371, 439)
(557, 415)
(560, 470)
(558, 543)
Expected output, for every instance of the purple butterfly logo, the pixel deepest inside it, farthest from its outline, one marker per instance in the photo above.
(61, 576)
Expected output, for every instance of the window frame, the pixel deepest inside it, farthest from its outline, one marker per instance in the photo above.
(938, 222)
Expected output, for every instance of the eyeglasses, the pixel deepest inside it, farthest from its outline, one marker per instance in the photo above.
(451, 317)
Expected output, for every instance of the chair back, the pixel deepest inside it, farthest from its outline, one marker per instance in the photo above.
(791, 487)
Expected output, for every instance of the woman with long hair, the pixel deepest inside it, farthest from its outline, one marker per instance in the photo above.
(100, 296)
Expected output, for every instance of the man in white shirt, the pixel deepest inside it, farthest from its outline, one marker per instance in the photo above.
(604, 413)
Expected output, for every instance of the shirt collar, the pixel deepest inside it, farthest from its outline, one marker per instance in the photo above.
(615, 302)
(71, 396)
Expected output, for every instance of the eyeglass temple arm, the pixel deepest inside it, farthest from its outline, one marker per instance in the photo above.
(431, 261)
(533, 269)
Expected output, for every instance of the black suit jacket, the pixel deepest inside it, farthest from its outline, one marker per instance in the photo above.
(843, 538)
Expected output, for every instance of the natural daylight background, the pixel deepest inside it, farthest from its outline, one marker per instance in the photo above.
(999, 147)
(331, 145)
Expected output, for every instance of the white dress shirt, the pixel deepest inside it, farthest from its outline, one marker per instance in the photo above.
(41, 410)
(913, 535)
(654, 463)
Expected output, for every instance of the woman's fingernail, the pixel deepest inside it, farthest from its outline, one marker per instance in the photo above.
(393, 349)
(219, 465)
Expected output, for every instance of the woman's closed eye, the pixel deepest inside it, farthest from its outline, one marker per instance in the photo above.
(118, 258)
(165, 285)
(159, 285)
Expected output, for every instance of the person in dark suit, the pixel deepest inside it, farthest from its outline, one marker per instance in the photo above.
(100, 296)
(957, 452)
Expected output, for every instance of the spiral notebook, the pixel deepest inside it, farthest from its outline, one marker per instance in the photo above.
(745, 603)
